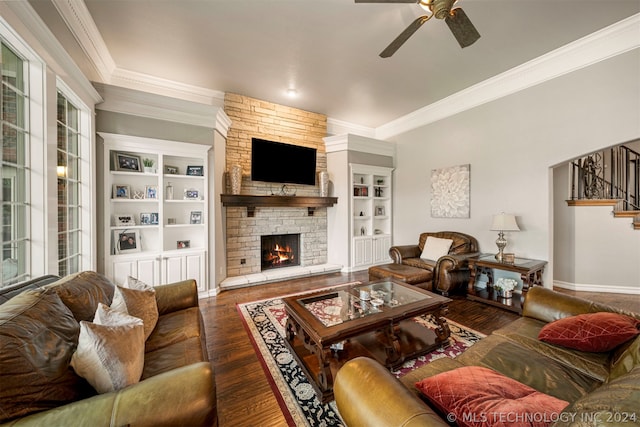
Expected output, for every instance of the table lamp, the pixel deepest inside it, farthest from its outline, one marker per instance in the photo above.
(501, 223)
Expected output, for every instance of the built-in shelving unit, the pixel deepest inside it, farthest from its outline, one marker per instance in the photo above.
(156, 219)
(370, 214)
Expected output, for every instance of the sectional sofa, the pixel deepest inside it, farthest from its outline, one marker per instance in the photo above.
(40, 327)
(565, 362)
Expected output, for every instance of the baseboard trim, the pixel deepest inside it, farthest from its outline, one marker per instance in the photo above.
(580, 287)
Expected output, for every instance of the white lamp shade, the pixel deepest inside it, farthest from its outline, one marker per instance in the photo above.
(504, 222)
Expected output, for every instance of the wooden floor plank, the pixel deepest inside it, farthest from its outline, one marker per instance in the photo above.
(245, 397)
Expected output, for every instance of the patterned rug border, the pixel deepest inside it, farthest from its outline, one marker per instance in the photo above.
(290, 406)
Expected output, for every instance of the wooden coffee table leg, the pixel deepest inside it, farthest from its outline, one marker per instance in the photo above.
(442, 331)
(325, 378)
(392, 345)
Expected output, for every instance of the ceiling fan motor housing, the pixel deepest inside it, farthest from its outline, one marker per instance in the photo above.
(441, 8)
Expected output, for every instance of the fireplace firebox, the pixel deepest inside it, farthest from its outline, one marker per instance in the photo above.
(280, 250)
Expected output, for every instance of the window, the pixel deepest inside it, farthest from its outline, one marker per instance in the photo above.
(15, 167)
(69, 186)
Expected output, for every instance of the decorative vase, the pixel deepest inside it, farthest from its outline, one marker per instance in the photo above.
(169, 192)
(236, 179)
(504, 293)
(323, 179)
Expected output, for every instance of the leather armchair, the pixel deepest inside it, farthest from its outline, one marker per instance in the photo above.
(451, 271)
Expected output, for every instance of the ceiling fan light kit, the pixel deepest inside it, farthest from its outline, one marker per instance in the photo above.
(457, 20)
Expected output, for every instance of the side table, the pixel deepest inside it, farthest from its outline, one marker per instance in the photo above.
(530, 272)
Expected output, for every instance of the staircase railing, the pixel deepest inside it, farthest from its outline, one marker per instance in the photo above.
(609, 174)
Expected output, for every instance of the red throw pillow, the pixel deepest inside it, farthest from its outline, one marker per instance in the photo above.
(594, 332)
(480, 397)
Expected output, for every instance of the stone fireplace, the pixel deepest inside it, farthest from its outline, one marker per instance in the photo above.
(280, 250)
(244, 227)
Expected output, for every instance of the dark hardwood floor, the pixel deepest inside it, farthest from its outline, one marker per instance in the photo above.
(245, 397)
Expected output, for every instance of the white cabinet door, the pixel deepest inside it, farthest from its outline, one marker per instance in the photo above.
(173, 268)
(182, 267)
(362, 251)
(144, 269)
(196, 269)
(381, 247)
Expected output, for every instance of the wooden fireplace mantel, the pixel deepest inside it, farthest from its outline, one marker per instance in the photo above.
(253, 202)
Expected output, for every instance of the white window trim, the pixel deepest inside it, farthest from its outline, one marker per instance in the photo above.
(43, 85)
(35, 139)
(87, 177)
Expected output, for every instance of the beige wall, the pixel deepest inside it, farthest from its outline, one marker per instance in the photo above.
(512, 143)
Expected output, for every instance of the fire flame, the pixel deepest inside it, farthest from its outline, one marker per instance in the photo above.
(282, 254)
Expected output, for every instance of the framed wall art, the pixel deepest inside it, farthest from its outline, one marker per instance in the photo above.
(196, 217)
(122, 220)
(191, 194)
(149, 218)
(195, 170)
(151, 192)
(125, 162)
(121, 191)
(171, 170)
(450, 192)
(127, 241)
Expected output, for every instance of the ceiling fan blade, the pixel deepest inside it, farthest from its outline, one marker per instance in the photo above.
(387, 1)
(462, 28)
(404, 36)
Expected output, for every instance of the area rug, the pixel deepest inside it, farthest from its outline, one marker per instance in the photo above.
(265, 322)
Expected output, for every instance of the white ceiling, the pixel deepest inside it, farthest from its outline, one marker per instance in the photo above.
(326, 49)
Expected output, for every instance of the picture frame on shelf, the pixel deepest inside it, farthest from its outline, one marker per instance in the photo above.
(150, 218)
(125, 162)
(127, 241)
(151, 192)
(183, 244)
(124, 220)
(191, 194)
(171, 170)
(121, 191)
(195, 170)
(379, 210)
(195, 217)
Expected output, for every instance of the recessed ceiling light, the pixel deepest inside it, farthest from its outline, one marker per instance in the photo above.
(292, 92)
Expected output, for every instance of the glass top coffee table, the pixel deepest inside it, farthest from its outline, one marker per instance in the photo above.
(326, 329)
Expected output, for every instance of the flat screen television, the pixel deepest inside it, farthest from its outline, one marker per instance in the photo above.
(282, 163)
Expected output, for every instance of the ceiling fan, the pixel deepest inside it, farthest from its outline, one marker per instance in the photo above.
(457, 20)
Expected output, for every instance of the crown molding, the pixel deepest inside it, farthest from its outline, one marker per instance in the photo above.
(611, 41)
(164, 87)
(339, 127)
(81, 24)
(26, 22)
(350, 142)
(123, 100)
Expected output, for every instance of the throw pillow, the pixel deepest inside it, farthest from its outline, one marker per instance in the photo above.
(593, 332)
(140, 303)
(110, 353)
(478, 396)
(435, 247)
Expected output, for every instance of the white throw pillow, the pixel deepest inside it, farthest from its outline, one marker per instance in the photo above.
(110, 353)
(435, 247)
(139, 302)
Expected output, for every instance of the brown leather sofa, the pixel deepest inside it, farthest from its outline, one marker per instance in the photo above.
(39, 330)
(450, 272)
(602, 388)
